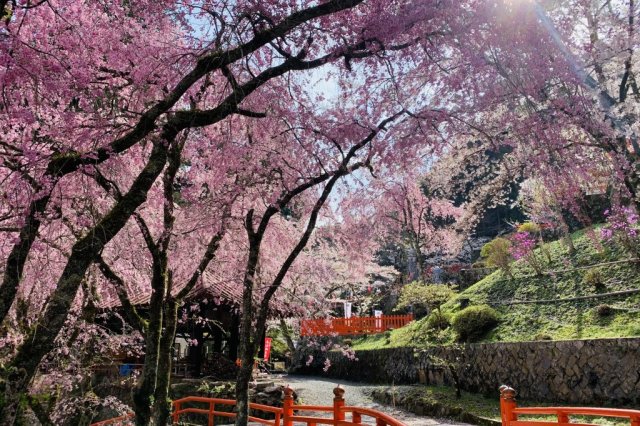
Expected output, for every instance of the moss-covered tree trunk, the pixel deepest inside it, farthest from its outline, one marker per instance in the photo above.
(146, 386)
(162, 403)
(287, 336)
(247, 343)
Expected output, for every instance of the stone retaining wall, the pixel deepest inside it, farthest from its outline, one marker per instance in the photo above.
(578, 371)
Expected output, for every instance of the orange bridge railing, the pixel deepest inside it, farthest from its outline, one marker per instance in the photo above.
(286, 415)
(353, 326)
(511, 414)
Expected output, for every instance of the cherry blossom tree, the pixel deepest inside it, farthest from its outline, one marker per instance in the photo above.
(426, 223)
(88, 106)
(101, 99)
(570, 111)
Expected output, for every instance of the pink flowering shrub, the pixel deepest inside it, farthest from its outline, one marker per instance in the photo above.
(312, 354)
(523, 246)
(79, 410)
(72, 374)
(327, 365)
(622, 228)
(309, 360)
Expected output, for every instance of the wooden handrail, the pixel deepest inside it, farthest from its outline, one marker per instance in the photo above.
(389, 421)
(509, 412)
(284, 416)
(353, 326)
(115, 420)
(580, 411)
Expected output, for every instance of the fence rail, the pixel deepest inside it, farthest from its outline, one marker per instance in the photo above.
(510, 412)
(353, 326)
(335, 415)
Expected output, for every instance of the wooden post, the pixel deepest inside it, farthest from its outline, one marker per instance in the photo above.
(176, 415)
(338, 403)
(211, 415)
(356, 418)
(563, 417)
(507, 405)
(380, 422)
(287, 407)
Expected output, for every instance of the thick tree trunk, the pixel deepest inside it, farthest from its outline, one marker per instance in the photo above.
(419, 259)
(632, 182)
(246, 352)
(162, 403)
(287, 336)
(146, 386)
(18, 256)
(247, 349)
(247, 344)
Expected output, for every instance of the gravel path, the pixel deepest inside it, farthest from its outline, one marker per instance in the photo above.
(318, 391)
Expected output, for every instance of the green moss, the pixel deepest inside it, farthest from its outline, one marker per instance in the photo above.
(560, 321)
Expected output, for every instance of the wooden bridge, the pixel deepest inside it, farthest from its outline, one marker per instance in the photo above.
(286, 415)
(336, 415)
(353, 326)
(512, 415)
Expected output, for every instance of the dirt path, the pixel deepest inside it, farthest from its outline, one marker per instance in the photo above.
(319, 391)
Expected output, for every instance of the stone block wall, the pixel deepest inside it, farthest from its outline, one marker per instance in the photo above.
(602, 371)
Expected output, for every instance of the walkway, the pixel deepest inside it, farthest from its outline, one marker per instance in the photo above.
(319, 391)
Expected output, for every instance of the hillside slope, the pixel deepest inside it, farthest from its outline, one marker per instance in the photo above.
(567, 277)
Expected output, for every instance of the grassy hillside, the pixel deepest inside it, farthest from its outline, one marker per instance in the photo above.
(557, 321)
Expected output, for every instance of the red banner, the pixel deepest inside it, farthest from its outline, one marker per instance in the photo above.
(267, 348)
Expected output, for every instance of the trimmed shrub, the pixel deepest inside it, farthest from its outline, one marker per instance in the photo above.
(604, 310)
(474, 322)
(424, 298)
(438, 321)
(497, 252)
(530, 227)
(593, 278)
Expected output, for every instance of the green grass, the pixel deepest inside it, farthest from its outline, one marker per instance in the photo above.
(483, 406)
(558, 321)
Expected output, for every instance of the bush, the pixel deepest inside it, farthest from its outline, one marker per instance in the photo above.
(530, 227)
(438, 321)
(425, 297)
(593, 278)
(542, 336)
(604, 310)
(479, 264)
(497, 252)
(474, 322)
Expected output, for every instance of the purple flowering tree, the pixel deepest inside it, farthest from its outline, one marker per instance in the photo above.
(622, 228)
(523, 246)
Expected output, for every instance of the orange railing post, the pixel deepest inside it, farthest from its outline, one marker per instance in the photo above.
(287, 407)
(507, 405)
(356, 418)
(176, 414)
(212, 408)
(563, 417)
(338, 403)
